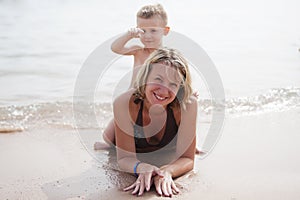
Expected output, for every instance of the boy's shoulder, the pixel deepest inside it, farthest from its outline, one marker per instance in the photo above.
(141, 55)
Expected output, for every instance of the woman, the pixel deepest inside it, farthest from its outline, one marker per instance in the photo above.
(155, 124)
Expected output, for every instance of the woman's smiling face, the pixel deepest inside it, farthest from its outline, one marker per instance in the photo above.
(162, 84)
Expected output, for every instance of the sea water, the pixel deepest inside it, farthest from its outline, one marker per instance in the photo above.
(254, 46)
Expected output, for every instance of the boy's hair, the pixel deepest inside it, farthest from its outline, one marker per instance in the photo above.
(174, 59)
(149, 11)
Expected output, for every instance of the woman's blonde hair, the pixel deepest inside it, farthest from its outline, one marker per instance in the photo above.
(174, 59)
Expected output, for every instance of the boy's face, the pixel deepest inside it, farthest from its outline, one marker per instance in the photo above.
(154, 30)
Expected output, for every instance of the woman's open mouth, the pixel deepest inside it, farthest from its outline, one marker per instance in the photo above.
(159, 97)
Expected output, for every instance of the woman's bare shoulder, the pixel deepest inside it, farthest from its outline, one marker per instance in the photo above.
(191, 105)
(193, 102)
(124, 97)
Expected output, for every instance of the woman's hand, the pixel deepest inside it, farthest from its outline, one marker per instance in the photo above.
(165, 185)
(144, 180)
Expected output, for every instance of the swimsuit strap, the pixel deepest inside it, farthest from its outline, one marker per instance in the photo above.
(139, 120)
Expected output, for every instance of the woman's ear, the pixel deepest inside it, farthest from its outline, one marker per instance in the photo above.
(166, 31)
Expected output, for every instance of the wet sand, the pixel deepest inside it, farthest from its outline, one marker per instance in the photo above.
(255, 158)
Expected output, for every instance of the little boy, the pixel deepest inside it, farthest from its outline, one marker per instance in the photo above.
(151, 27)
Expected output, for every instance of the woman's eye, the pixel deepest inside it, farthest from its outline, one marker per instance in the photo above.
(153, 30)
(173, 85)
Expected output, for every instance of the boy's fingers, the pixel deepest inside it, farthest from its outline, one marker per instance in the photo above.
(140, 30)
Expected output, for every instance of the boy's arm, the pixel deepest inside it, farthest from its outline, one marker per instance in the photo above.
(118, 46)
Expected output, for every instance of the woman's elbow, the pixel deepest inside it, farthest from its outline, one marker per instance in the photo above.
(190, 166)
(120, 163)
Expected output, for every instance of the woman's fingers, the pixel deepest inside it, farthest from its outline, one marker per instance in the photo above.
(136, 189)
(145, 180)
(164, 189)
(169, 189)
(174, 188)
(142, 187)
(148, 178)
(130, 187)
(137, 186)
(159, 172)
(158, 186)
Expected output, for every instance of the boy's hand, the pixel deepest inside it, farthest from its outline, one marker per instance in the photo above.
(135, 32)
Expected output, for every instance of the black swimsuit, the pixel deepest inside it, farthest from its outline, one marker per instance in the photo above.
(169, 138)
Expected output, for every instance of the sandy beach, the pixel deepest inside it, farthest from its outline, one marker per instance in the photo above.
(44, 45)
(255, 158)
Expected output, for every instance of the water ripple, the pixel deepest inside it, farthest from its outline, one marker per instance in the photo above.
(60, 114)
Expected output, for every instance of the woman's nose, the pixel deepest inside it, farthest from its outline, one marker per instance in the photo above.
(163, 89)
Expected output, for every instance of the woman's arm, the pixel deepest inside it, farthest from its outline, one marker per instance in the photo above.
(186, 142)
(185, 151)
(124, 132)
